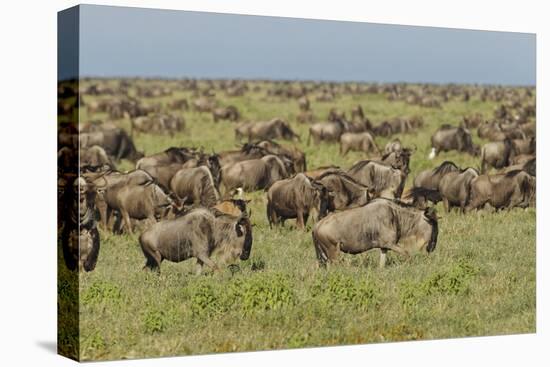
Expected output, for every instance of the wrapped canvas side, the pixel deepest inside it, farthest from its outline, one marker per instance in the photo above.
(68, 333)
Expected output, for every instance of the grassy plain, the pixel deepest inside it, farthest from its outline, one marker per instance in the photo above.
(480, 280)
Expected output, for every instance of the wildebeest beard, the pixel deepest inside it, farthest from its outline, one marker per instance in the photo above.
(435, 229)
(247, 246)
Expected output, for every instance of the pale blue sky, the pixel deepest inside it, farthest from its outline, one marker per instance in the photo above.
(117, 41)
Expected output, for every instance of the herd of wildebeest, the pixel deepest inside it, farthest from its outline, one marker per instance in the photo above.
(190, 203)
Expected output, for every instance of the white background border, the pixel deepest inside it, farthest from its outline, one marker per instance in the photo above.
(28, 182)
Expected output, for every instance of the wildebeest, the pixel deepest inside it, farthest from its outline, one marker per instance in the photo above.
(454, 188)
(196, 186)
(448, 138)
(254, 174)
(327, 131)
(303, 103)
(497, 154)
(273, 129)
(204, 104)
(382, 223)
(398, 159)
(226, 113)
(296, 197)
(95, 156)
(362, 142)
(158, 124)
(116, 142)
(168, 156)
(524, 146)
(508, 190)
(529, 166)
(80, 237)
(315, 173)
(234, 207)
(141, 202)
(429, 179)
(383, 180)
(295, 154)
(394, 145)
(346, 192)
(198, 233)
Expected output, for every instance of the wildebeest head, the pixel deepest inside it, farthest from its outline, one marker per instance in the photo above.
(86, 201)
(430, 216)
(325, 199)
(243, 227)
(466, 137)
(287, 133)
(178, 155)
(399, 159)
(277, 169)
(215, 168)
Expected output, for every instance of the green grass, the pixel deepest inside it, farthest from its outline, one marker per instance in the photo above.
(479, 281)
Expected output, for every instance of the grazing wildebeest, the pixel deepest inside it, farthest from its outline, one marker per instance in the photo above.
(429, 179)
(296, 197)
(196, 185)
(419, 197)
(203, 104)
(80, 237)
(254, 174)
(357, 113)
(497, 154)
(448, 138)
(303, 103)
(454, 188)
(273, 129)
(158, 124)
(297, 156)
(508, 190)
(116, 142)
(345, 190)
(198, 233)
(327, 131)
(383, 180)
(362, 142)
(226, 113)
(305, 117)
(139, 202)
(382, 223)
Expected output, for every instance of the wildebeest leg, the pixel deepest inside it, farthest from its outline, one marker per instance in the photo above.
(127, 221)
(203, 258)
(397, 249)
(446, 205)
(300, 220)
(198, 270)
(383, 257)
(121, 149)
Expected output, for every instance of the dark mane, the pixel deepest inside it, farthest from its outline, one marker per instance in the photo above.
(357, 166)
(445, 167)
(513, 173)
(467, 168)
(341, 174)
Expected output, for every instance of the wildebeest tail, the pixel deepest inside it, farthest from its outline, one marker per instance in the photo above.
(321, 255)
